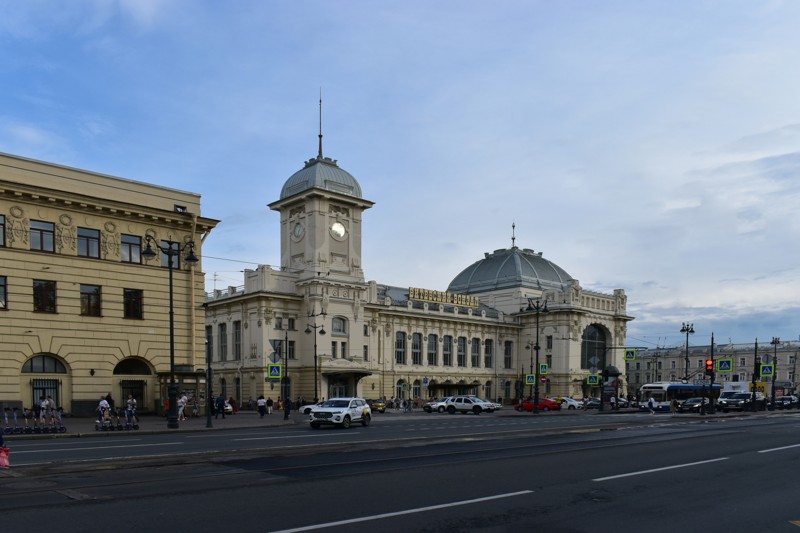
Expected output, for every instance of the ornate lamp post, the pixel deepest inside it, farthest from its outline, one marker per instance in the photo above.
(171, 249)
(539, 308)
(689, 330)
(775, 342)
(321, 328)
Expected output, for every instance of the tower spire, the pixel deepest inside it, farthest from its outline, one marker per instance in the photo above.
(513, 237)
(319, 155)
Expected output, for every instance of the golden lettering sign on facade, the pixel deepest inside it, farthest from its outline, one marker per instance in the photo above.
(439, 297)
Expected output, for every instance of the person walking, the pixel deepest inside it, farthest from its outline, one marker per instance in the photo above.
(182, 406)
(219, 406)
(262, 406)
(651, 404)
(673, 407)
(270, 403)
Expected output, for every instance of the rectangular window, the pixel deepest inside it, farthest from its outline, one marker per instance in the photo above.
(334, 346)
(462, 351)
(548, 343)
(416, 348)
(43, 236)
(2, 230)
(90, 300)
(89, 242)
(508, 354)
(476, 353)
(366, 330)
(488, 353)
(3, 292)
(44, 296)
(742, 361)
(278, 322)
(223, 341)
(290, 322)
(237, 340)
(344, 351)
(400, 348)
(131, 249)
(447, 350)
(291, 349)
(365, 352)
(133, 303)
(433, 350)
(175, 248)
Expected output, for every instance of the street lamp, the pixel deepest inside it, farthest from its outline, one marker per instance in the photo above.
(538, 308)
(171, 249)
(321, 329)
(775, 342)
(689, 330)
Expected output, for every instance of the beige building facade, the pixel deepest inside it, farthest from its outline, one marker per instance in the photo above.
(82, 314)
(316, 328)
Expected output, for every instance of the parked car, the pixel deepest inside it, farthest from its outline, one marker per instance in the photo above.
(570, 404)
(545, 404)
(307, 408)
(591, 403)
(438, 406)
(341, 412)
(468, 404)
(742, 401)
(786, 402)
(377, 405)
(693, 405)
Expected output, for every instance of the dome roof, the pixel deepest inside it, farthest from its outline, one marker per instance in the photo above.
(321, 173)
(509, 268)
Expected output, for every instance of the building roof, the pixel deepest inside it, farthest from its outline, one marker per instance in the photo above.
(510, 268)
(321, 173)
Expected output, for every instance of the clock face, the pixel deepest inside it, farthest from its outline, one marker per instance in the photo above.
(337, 228)
(298, 230)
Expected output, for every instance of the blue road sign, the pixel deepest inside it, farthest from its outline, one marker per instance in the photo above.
(767, 370)
(530, 379)
(724, 365)
(593, 379)
(274, 371)
(543, 369)
(630, 355)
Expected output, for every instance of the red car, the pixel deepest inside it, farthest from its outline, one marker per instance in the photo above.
(545, 404)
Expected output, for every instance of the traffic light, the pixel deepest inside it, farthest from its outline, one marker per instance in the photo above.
(709, 367)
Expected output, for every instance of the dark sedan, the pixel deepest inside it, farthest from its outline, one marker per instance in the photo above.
(693, 405)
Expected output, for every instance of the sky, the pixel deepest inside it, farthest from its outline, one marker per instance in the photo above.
(652, 146)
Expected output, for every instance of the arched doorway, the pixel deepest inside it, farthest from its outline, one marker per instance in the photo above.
(137, 373)
(44, 373)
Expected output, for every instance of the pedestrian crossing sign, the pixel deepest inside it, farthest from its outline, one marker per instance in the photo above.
(593, 379)
(543, 369)
(767, 370)
(725, 365)
(530, 379)
(630, 354)
(274, 371)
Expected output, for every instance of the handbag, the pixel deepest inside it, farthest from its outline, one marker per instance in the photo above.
(4, 462)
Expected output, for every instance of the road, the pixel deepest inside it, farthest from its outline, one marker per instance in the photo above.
(423, 473)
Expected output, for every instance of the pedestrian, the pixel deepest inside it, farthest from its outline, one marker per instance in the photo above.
(110, 401)
(219, 405)
(262, 406)
(234, 405)
(270, 403)
(182, 406)
(673, 407)
(287, 407)
(651, 404)
(613, 402)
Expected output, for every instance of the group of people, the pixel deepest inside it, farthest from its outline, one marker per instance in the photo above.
(106, 408)
(265, 405)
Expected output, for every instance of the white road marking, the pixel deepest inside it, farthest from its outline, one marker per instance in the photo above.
(316, 436)
(96, 448)
(641, 472)
(779, 449)
(400, 513)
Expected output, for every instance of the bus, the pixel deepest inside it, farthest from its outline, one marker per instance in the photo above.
(664, 393)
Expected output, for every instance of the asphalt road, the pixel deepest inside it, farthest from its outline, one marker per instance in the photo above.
(436, 473)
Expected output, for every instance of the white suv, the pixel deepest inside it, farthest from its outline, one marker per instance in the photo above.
(341, 412)
(468, 404)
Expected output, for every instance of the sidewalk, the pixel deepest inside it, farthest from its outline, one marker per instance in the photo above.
(148, 424)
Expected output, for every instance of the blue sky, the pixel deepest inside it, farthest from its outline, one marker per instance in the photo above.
(652, 146)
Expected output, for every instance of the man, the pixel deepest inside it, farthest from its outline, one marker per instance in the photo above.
(219, 406)
(182, 406)
(287, 407)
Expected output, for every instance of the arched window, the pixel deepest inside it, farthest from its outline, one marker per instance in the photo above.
(593, 348)
(132, 366)
(338, 325)
(44, 364)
